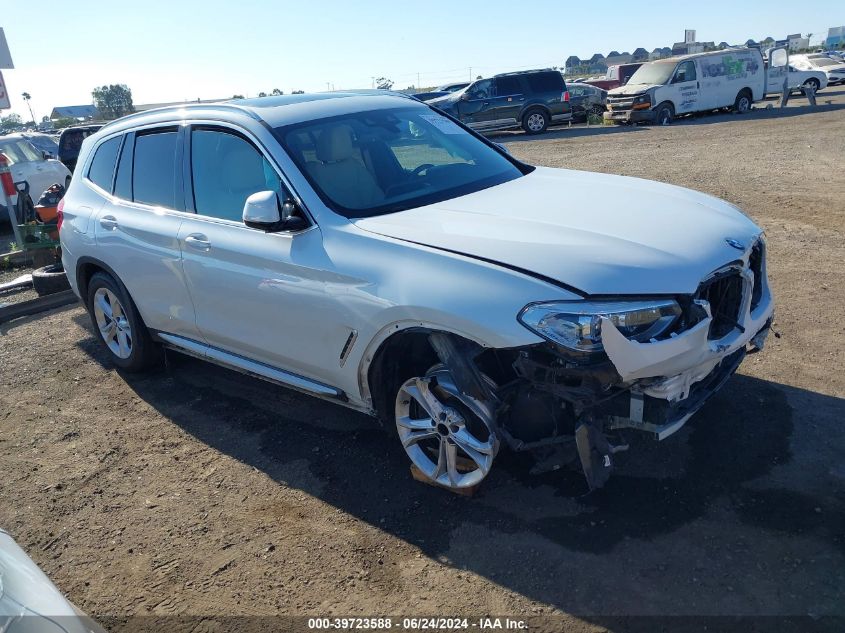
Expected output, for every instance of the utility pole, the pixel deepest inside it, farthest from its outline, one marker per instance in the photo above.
(374, 81)
(470, 74)
(327, 86)
(418, 80)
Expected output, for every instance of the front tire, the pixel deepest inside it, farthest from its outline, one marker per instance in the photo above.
(535, 121)
(443, 430)
(665, 113)
(119, 326)
(742, 103)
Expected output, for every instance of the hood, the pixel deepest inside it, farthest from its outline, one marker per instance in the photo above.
(601, 234)
(631, 89)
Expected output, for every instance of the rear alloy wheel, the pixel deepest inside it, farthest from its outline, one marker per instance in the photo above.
(119, 326)
(742, 103)
(443, 431)
(535, 121)
(597, 109)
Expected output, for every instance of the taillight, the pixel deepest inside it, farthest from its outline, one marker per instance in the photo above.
(566, 97)
(6, 176)
(60, 214)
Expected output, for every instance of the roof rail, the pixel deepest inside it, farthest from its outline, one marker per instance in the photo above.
(190, 105)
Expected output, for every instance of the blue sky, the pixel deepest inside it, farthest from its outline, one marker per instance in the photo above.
(185, 49)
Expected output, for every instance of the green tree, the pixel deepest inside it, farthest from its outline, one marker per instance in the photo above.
(26, 97)
(113, 101)
(276, 92)
(383, 83)
(237, 96)
(63, 122)
(11, 123)
(262, 94)
(298, 92)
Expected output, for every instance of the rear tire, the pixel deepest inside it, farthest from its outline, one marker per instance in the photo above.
(742, 104)
(811, 83)
(118, 325)
(49, 280)
(665, 113)
(535, 121)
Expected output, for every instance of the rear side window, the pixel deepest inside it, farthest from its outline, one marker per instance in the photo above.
(545, 82)
(154, 172)
(506, 86)
(102, 167)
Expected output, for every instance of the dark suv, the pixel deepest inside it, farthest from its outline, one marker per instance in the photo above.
(71, 140)
(531, 99)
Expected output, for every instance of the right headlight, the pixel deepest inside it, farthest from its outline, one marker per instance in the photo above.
(576, 325)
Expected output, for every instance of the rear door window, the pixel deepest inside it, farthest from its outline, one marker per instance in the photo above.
(507, 86)
(102, 167)
(154, 174)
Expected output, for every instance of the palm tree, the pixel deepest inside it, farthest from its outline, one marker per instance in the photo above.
(26, 97)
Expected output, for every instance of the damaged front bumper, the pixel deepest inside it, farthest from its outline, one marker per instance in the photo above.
(653, 387)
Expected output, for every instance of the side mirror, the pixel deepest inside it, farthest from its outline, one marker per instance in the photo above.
(465, 96)
(46, 155)
(261, 211)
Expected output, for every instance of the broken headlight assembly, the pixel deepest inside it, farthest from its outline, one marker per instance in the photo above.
(576, 325)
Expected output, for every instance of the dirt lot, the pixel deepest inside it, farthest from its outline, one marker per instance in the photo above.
(195, 491)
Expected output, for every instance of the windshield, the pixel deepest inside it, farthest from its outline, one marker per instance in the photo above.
(818, 62)
(383, 161)
(649, 74)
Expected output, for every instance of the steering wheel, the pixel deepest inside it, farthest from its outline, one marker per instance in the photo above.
(421, 168)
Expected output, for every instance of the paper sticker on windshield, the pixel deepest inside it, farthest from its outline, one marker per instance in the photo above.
(442, 123)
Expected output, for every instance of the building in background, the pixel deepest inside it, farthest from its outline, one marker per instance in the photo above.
(796, 43)
(835, 37)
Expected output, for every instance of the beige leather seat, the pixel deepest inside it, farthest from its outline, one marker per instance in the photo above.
(341, 173)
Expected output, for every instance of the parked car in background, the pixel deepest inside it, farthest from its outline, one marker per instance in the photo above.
(835, 70)
(615, 76)
(663, 89)
(799, 79)
(43, 143)
(453, 87)
(585, 100)
(27, 164)
(30, 602)
(441, 91)
(71, 140)
(372, 251)
(531, 99)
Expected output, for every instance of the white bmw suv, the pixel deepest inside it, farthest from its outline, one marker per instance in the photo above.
(370, 250)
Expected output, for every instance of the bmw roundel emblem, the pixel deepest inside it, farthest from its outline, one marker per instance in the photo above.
(735, 243)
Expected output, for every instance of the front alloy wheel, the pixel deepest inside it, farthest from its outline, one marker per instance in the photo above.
(443, 431)
(112, 323)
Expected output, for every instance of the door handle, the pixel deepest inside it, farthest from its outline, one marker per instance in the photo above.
(108, 222)
(198, 241)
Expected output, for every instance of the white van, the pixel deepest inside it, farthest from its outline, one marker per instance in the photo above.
(663, 89)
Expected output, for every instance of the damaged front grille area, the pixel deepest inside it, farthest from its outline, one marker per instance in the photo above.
(724, 292)
(755, 263)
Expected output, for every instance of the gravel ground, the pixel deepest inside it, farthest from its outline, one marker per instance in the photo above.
(194, 491)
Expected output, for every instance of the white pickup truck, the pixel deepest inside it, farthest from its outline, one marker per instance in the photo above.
(729, 78)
